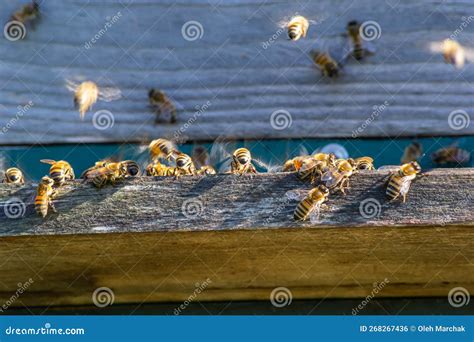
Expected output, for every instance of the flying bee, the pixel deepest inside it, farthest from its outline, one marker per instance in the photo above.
(359, 49)
(158, 169)
(60, 171)
(328, 66)
(453, 53)
(242, 162)
(162, 148)
(451, 155)
(28, 13)
(202, 161)
(162, 105)
(44, 196)
(87, 93)
(184, 165)
(14, 175)
(297, 27)
(364, 163)
(339, 175)
(310, 204)
(113, 172)
(412, 152)
(400, 181)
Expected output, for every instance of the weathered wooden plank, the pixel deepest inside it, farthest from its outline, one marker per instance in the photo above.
(143, 240)
(229, 68)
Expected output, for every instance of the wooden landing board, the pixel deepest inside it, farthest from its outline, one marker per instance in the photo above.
(241, 70)
(153, 240)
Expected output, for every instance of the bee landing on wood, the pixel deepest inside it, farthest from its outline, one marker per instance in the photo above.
(310, 204)
(111, 172)
(400, 181)
(184, 165)
(359, 48)
(60, 171)
(312, 168)
(328, 66)
(160, 170)
(162, 149)
(87, 93)
(339, 175)
(364, 163)
(162, 105)
(242, 162)
(14, 175)
(44, 196)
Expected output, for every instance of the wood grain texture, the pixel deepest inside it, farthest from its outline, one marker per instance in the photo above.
(229, 68)
(243, 240)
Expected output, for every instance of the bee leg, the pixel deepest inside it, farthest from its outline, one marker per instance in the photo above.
(404, 198)
(51, 205)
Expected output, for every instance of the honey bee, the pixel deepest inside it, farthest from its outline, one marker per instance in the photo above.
(310, 205)
(14, 175)
(97, 165)
(451, 155)
(400, 181)
(162, 148)
(28, 13)
(297, 27)
(60, 171)
(412, 152)
(242, 162)
(364, 163)
(113, 172)
(453, 53)
(162, 105)
(360, 49)
(184, 165)
(206, 170)
(312, 168)
(339, 175)
(44, 196)
(202, 161)
(328, 66)
(87, 93)
(158, 169)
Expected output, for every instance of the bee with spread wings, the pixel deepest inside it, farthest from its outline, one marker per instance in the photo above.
(87, 93)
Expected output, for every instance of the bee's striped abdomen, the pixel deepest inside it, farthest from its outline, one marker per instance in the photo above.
(303, 209)
(41, 204)
(394, 186)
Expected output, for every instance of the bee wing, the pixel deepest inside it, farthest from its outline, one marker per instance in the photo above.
(331, 178)
(369, 48)
(267, 166)
(315, 213)
(109, 94)
(405, 186)
(220, 154)
(48, 161)
(71, 86)
(99, 172)
(296, 195)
